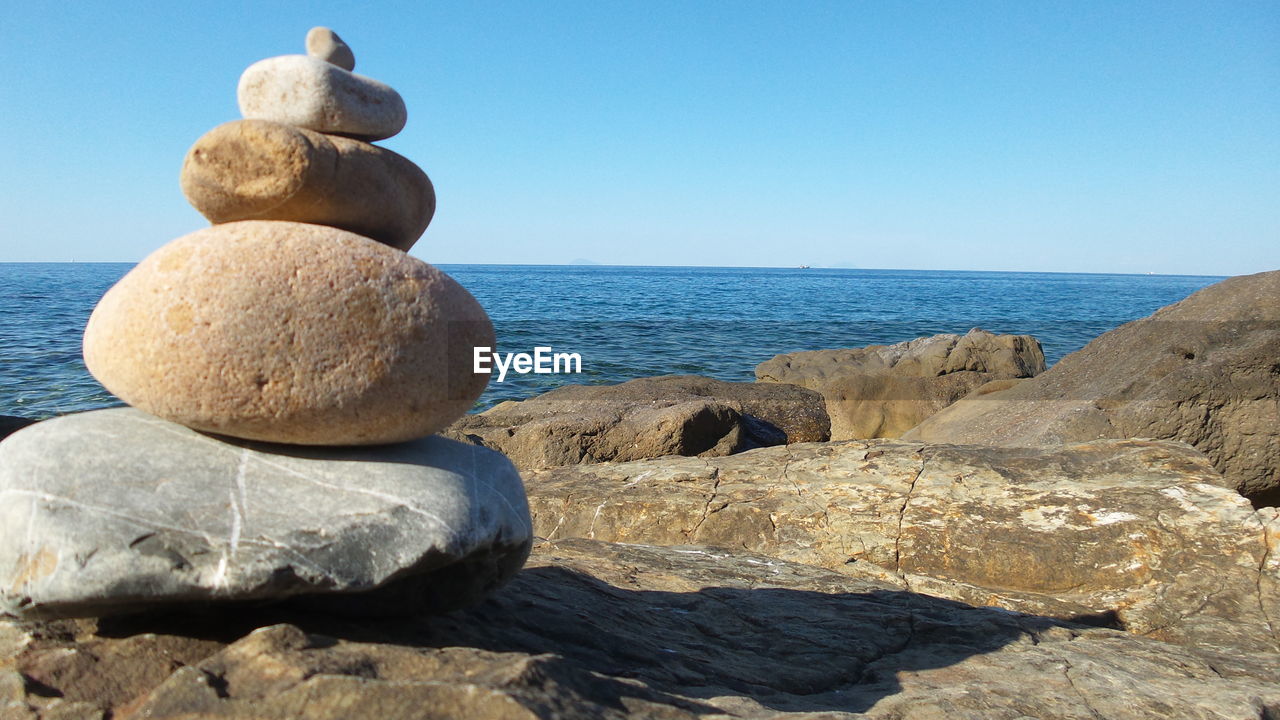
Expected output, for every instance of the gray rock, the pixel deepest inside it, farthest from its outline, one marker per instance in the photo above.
(10, 424)
(602, 631)
(115, 511)
(1142, 534)
(1205, 371)
(648, 417)
(885, 390)
(324, 44)
(316, 95)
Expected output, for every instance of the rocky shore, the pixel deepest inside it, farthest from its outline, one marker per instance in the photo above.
(706, 549)
(296, 520)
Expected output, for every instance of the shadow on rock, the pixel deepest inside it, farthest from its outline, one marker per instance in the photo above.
(726, 632)
(786, 649)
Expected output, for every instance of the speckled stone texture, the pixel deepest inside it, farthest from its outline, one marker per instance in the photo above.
(115, 511)
(313, 94)
(287, 332)
(260, 170)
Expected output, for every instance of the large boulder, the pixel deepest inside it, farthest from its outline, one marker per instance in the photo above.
(644, 418)
(596, 631)
(292, 333)
(1144, 534)
(1205, 371)
(115, 511)
(885, 390)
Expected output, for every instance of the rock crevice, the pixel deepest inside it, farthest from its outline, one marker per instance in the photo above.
(1138, 533)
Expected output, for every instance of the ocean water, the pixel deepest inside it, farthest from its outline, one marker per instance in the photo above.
(629, 322)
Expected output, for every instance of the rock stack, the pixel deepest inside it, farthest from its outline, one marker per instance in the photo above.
(297, 318)
(286, 321)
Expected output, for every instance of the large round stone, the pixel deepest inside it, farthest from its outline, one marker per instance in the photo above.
(260, 170)
(292, 333)
(114, 511)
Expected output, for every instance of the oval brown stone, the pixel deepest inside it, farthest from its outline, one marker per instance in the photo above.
(294, 333)
(262, 170)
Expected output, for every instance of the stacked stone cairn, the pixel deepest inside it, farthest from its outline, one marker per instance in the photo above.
(287, 368)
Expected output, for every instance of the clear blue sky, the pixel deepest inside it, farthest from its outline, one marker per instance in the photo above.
(1074, 136)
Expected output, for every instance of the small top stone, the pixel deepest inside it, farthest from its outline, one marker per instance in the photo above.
(324, 44)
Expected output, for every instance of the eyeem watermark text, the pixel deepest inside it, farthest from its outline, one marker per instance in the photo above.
(541, 362)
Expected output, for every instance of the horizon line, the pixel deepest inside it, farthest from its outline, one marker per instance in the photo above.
(586, 265)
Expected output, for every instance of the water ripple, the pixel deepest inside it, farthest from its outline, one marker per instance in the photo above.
(632, 322)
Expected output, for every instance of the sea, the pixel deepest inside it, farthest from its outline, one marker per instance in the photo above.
(630, 322)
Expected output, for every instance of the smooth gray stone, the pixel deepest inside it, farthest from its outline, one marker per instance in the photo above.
(310, 93)
(115, 511)
(324, 44)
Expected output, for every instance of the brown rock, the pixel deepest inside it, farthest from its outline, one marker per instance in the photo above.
(261, 170)
(111, 673)
(977, 351)
(609, 631)
(648, 417)
(885, 406)
(13, 687)
(696, 427)
(290, 333)
(1145, 532)
(996, 386)
(885, 390)
(1205, 370)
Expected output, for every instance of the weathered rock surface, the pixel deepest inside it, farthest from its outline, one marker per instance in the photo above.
(872, 406)
(885, 390)
(287, 332)
(596, 630)
(1144, 532)
(10, 424)
(648, 417)
(1205, 371)
(114, 511)
(976, 351)
(324, 44)
(311, 93)
(260, 170)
